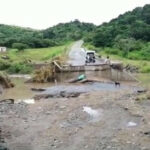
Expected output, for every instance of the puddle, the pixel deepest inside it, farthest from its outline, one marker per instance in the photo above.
(22, 90)
(93, 113)
(27, 101)
(83, 88)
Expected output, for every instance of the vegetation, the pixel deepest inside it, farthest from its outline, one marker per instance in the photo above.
(19, 46)
(69, 31)
(127, 36)
(43, 75)
(130, 28)
(23, 61)
(12, 36)
(116, 54)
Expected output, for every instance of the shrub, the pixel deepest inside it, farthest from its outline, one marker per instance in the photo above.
(19, 46)
(20, 68)
(134, 55)
(112, 51)
(4, 65)
(145, 69)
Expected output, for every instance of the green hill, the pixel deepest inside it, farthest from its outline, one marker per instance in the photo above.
(74, 30)
(133, 24)
(129, 34)
(43, 38)
(13, 34)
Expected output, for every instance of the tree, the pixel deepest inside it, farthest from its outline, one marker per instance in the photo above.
(20, 46)
(103, 37)
(146, 14)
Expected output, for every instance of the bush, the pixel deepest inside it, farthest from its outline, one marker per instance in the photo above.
(20, 68)
(20, 46)
(145, 69)
(4, 65)
(112, 51)
(134, 56)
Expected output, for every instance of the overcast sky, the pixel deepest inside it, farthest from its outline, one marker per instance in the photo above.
(40, 14)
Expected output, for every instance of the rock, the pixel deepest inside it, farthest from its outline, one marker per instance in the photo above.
(48, 113)
(147, 133)
(8, 101)
(43, 96)
(117, 65)
(38, 90)
(5, 57)
(62, 94)
(142, 90)
(131, 68)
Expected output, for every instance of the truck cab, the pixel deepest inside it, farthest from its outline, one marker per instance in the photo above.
(90, 57)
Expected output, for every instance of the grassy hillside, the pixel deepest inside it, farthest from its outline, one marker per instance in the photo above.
(21, 61)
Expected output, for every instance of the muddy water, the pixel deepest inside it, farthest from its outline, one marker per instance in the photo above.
(22, 91)
(144, 79)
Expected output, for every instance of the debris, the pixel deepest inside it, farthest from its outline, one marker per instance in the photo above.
(131, 124)
(141, 90)
(79, 78)
(132, 69)
(61, 94)
(20, 76)
(43, 75)
(147, 133)
(90, 111)
(27, 101)
(117, 65)
(8, 101)
(38, 90)
(5, 80)
(5, 57)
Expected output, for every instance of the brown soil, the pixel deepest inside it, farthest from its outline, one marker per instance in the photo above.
(61, 123)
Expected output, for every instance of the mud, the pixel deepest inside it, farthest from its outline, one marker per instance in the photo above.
(95, 120)
(76, 90)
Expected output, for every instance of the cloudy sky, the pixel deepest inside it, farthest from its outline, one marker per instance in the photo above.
(40, 14)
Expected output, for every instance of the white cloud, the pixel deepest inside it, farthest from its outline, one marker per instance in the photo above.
(45, 13)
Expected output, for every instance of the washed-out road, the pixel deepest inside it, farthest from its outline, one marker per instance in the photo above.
(77, 55)
(96, 120)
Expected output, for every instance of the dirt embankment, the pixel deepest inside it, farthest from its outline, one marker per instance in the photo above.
(5, 82)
